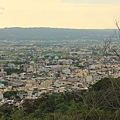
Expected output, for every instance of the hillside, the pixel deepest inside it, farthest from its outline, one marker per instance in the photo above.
(101, 102)
(53, 34)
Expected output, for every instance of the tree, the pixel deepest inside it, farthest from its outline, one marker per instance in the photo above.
(9, 94)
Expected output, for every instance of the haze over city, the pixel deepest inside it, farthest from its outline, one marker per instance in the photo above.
(80, 14)
(60, 59)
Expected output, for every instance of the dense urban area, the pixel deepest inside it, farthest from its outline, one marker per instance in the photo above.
(59, 80)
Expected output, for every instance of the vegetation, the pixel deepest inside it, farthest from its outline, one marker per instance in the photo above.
(13, 70)
(101, 102)
(10, 94)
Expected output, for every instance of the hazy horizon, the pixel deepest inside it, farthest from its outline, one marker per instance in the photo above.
(61, 28)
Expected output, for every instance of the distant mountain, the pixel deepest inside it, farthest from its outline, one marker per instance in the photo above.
(17, 33)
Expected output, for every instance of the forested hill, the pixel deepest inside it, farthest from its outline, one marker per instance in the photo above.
(101, 102)
(17, 33)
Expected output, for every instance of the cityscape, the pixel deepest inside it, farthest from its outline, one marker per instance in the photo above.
(59, 60)
(58, 67)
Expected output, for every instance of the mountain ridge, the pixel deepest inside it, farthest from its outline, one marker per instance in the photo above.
(46, 33)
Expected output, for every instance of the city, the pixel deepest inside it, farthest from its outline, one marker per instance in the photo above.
(54, 68)
(59, 60)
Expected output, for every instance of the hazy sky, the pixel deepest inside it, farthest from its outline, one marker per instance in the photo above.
(59, 13)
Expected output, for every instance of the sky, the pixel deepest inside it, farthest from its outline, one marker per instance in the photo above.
(79, 14)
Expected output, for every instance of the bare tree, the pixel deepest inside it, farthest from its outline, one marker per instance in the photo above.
(108, 48)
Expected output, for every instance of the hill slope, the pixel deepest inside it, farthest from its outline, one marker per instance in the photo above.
(53, 34)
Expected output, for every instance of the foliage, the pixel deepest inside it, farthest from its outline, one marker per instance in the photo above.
(10, 94)
(13, 70)
(101, 102)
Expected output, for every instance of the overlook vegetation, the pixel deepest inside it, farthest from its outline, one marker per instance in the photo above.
(47, 34)
(101, 102)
